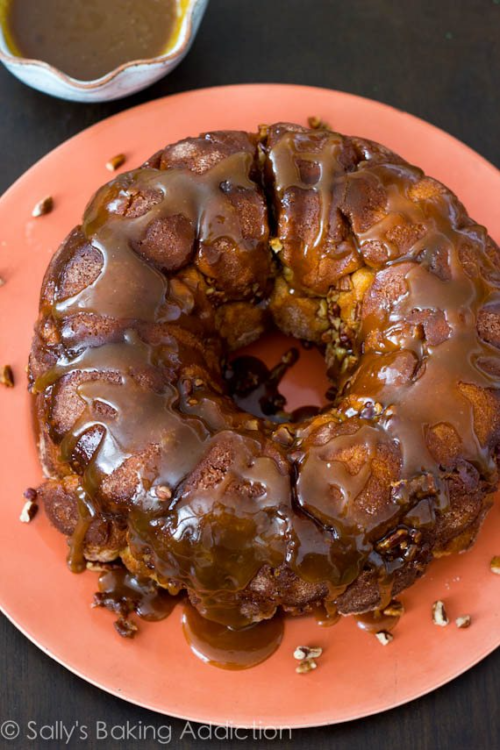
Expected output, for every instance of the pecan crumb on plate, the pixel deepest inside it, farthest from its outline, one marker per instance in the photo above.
(439, 615)
(7, 376)
(45, 206)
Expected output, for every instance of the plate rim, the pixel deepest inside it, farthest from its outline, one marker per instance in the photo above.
(166, 101)
(193, 92)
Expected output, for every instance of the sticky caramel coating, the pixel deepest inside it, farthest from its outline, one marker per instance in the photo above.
(336, 241)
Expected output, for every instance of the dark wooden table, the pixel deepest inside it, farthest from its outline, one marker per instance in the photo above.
(438, 59)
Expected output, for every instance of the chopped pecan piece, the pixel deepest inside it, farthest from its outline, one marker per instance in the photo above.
(7, 376)
(29, 511)
(317, 123)
(305, 666)
(126, 628)
(384, 637)
(45, 206)
(305, 652)
(163, 492)
(495, 565)
(115, 162)
(439, 615)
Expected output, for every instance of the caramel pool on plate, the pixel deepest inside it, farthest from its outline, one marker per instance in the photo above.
(224, 647)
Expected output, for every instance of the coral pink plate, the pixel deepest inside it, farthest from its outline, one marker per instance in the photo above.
(357, 676)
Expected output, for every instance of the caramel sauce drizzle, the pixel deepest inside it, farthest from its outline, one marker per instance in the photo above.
(432, 395)
(216, 535)
(123, 593)
(285, 159)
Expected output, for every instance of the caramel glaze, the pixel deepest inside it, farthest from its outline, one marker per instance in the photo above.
(123, 593)
(376, 264)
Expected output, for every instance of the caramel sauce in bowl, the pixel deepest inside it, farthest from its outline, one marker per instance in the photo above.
(145, 43)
